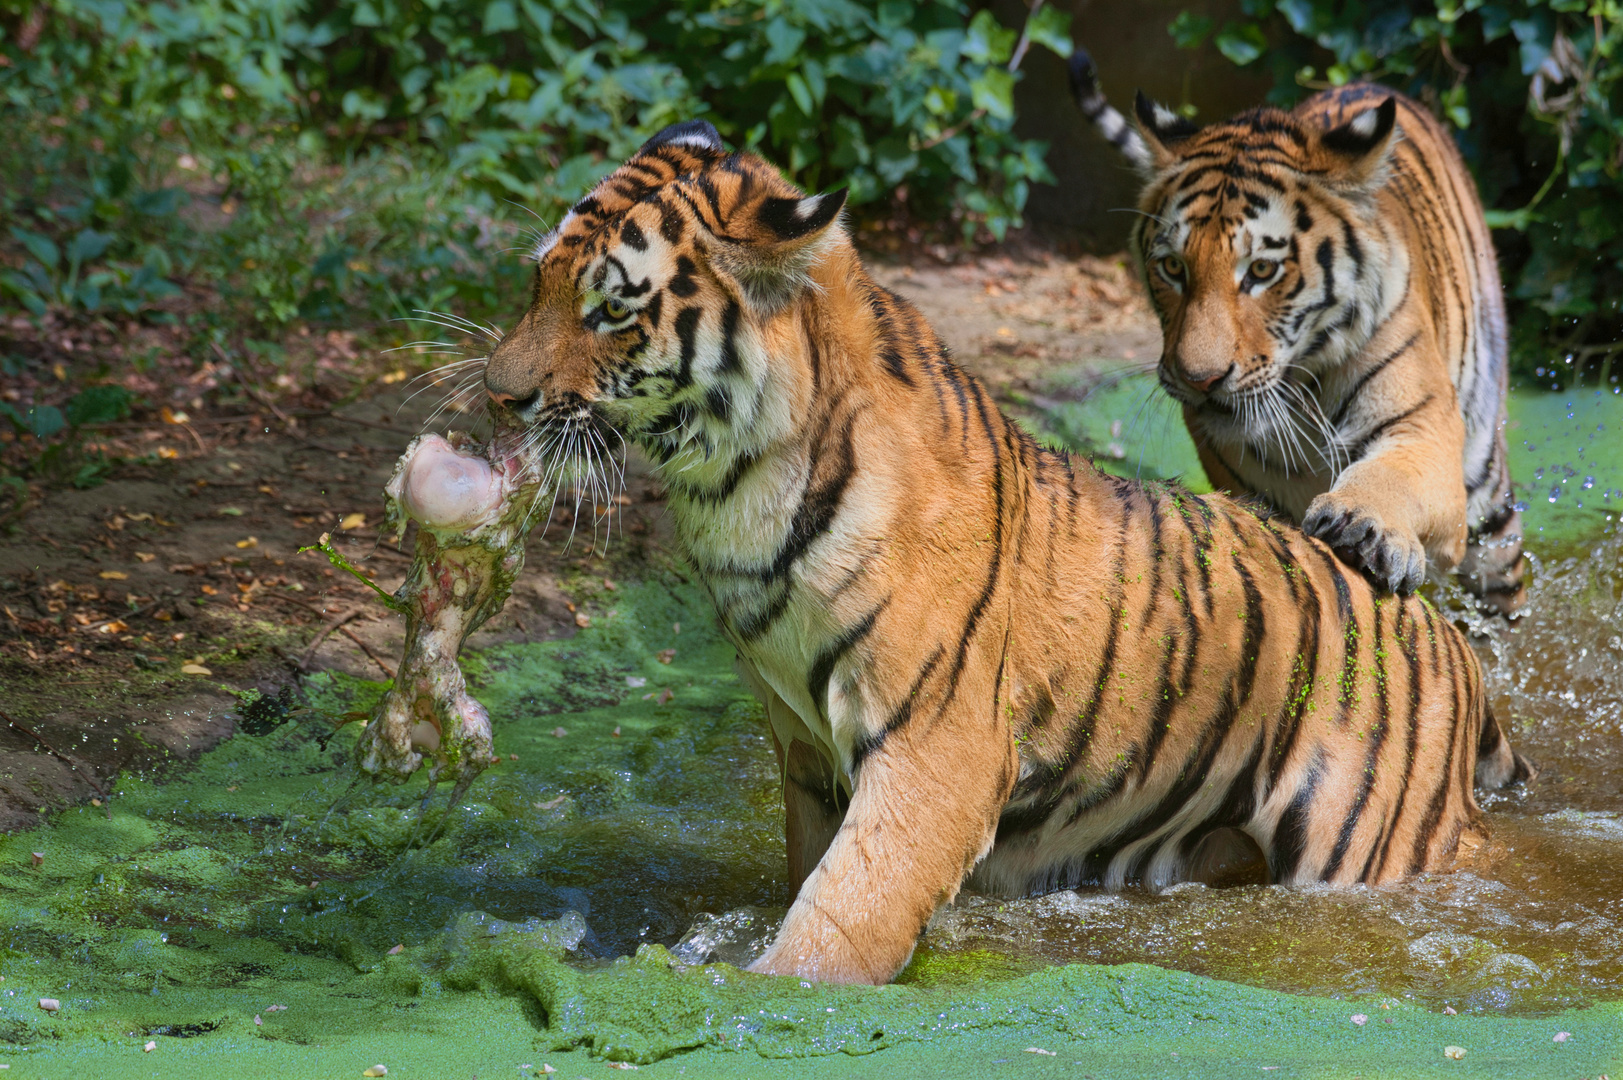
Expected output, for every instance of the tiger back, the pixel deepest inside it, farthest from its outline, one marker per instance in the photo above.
(977, 656)
(1334, 324)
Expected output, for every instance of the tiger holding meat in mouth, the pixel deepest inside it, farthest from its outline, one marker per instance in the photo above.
(1334, 324)
(979, 658)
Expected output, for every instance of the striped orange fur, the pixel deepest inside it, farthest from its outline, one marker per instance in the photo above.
(1334, 326)
(980, 659)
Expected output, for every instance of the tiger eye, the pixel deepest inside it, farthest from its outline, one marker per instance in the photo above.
(1263, 269)
(1172, 266)
(615, 309)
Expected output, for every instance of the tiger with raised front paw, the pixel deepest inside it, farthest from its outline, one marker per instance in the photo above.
(1334, 324)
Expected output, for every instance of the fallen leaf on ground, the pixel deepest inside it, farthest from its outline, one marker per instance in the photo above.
(37, 857)
(1454, 1053)
(252, 541)
(1360, 1019)
(50, 1004)
(558, 733)
(582, 620)
(112, 575)
(145, 556)
(397, 950)
(194, 669)
(551, 804)
(1562, 1036)
(150, 1046)
(665, 656)
(352, 521)
(377, 1070)
(114, 627)
(1040, 1050)
(665, 696)
(230, 511)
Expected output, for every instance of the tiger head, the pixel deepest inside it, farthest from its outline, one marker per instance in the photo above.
(657, 311)
(1260, 249)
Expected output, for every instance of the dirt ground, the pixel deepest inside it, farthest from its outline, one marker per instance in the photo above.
(133, 613)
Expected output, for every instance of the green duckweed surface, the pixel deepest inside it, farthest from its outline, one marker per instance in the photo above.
(573, 908)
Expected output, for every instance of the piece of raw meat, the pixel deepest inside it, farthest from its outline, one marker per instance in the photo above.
(473, 503)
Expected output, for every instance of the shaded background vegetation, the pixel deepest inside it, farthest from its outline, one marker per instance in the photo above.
(237, 168)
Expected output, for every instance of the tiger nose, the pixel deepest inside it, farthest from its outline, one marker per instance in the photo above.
(512, 401)
(1204, 383)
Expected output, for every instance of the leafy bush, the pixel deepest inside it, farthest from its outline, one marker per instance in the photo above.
(1532, 89)
(358, 157)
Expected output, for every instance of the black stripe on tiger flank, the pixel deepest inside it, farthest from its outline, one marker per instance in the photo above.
(822, 669)
(1161, 709)
(1193, 776)
(1299, 693)
(1372, 756)
(1290, 834)
(1427, 831)
(1251, 634)
(899, 717)
(1410, 650)
(978, 608)
(1082, 730)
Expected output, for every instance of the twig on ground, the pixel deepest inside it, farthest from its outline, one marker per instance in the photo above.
(356, 638)
(326, 631)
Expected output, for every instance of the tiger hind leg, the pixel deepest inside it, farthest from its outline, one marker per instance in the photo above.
(1497, 765)
(1494, 569)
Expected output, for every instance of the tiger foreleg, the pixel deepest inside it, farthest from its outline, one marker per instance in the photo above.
(1401, 505)
(915, 827)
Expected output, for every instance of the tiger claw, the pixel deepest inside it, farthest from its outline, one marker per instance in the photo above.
(1395, 560)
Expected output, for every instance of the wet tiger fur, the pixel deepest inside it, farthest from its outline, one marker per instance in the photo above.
(978, 657)
(1333, 324)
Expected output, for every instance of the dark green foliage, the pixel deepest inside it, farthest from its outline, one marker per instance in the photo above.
(303, 161)
(1532, 91)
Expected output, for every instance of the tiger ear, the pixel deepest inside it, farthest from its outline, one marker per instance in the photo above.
(1162, 129)
(770, 251)
(1357, 151)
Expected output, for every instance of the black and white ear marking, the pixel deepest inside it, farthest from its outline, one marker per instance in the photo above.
(1363, 133)
(790, 219)
(1161, 122)
(698, 135)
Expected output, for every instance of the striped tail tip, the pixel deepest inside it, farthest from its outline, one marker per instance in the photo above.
(1084, 76)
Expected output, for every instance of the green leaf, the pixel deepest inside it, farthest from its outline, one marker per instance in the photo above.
(39, 245)
(1050, 27)
(98, 405)
(88, 244)
(1242, 42)
(500, 17)
(43, 421)
(994, 92)
(988, 41)
(798, 91)
(1189, 30)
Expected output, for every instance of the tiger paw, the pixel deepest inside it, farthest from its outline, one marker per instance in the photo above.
(1393, 556)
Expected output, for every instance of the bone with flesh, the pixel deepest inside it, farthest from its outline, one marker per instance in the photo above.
(472, 503)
